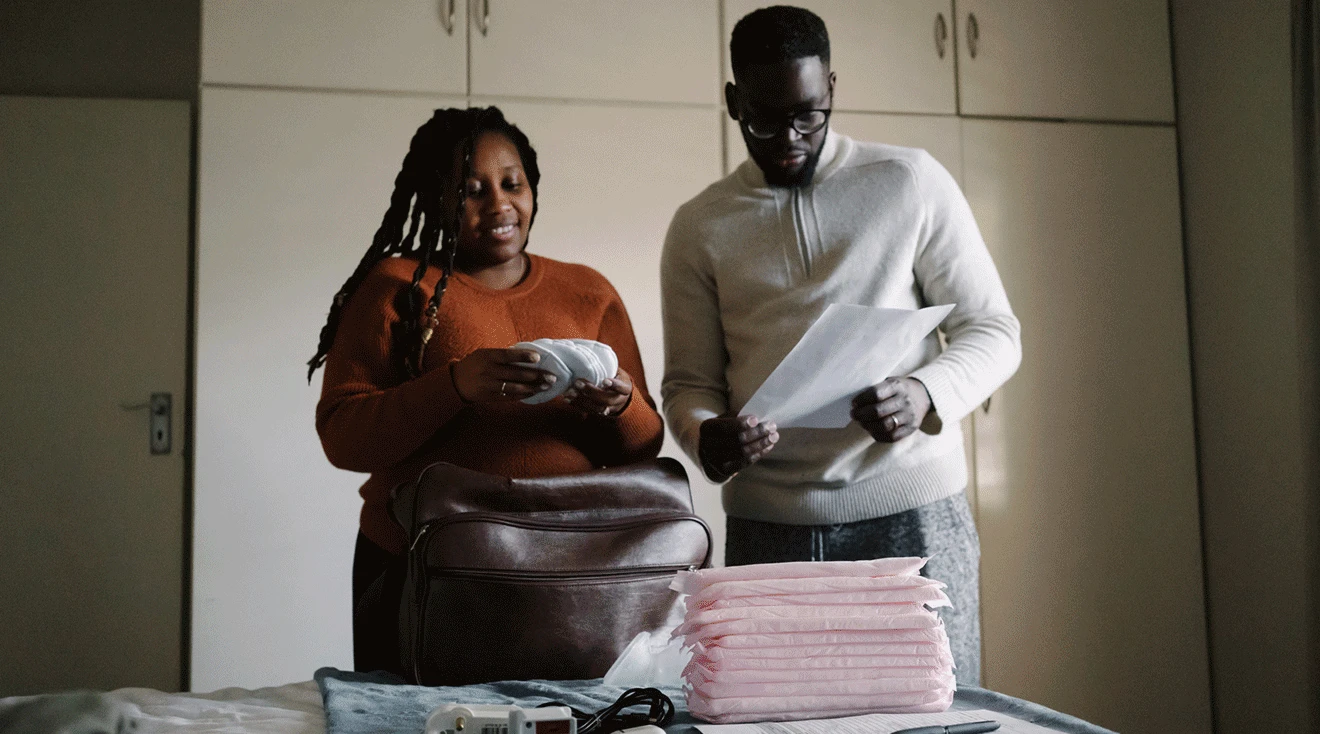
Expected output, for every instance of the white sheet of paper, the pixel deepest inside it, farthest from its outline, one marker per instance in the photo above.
(879, 724)
(848, 349)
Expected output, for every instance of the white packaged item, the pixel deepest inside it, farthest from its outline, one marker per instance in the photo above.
(570, 360)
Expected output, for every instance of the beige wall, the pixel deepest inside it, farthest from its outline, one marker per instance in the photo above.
(144, 49)
(1232, 63)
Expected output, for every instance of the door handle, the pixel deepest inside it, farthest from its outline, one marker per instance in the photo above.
(483, 18)
(941, 34)
(973, 34)
(160, 414)
(447, 16)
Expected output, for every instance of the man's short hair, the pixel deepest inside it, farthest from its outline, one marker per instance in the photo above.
(777, 34)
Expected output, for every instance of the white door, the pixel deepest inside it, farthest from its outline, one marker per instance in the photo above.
(292, 187)
(1072, 60)
(399, 45)
(937, 134)
(1091, 575)
(93, 317)
(612, 177)
(890, 55)
(636, 50)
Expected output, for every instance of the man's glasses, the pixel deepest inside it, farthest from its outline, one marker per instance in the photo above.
(805, 123)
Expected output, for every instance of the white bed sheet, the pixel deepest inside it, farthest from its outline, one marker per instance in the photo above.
(295, 708)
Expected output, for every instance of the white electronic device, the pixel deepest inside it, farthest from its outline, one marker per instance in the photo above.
(457, 718)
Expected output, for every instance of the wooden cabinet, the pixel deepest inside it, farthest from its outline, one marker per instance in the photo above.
(292, 187)
(634, 50)
(890, 55)
(396, 45)
(1070, 60)
(1091, 576)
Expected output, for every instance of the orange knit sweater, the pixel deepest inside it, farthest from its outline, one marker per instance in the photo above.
(371, 419)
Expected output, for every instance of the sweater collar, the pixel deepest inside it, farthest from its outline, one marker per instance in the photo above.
(832, 155)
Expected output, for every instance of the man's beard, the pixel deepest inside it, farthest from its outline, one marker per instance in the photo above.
(799, 180)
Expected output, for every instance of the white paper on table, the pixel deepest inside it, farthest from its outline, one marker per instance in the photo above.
(879, 724)
(847, 350)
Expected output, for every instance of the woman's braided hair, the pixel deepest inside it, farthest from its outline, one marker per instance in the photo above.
(419, 200)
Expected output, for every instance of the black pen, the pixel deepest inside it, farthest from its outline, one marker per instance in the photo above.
(974, 727)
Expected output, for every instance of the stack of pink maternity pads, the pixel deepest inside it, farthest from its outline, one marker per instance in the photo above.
(787, 641)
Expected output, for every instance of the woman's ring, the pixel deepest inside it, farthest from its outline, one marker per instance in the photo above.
(502, 386)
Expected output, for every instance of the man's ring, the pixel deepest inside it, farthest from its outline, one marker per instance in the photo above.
(502, 386)
(893, 422)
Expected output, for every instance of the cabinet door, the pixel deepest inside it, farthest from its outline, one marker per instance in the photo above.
(612, 177)
(397, 45)
(890, 55)
(292, 186)
(1069, 60)
(597, 50)
(938, 135)
(1091, 575)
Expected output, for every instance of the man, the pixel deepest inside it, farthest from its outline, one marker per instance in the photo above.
(816, 218)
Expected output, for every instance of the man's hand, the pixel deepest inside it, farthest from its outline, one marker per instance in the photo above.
(892, 410)
(728, 444)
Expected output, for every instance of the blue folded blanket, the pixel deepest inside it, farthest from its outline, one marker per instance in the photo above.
(367, 703)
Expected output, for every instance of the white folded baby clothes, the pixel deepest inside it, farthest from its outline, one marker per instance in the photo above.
(778, 642)
(570, 360)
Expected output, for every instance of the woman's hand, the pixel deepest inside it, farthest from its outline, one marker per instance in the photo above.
(609, 399)
(499, 375)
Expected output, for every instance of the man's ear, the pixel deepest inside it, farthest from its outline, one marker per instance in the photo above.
(832, 78)
(731, 99)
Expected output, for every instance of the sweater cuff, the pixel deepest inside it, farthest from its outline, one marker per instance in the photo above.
(634, 428)
(942, 399)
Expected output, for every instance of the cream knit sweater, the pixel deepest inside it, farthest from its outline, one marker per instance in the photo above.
(747, 268)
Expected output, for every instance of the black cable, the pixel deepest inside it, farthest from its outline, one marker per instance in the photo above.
(612, 718)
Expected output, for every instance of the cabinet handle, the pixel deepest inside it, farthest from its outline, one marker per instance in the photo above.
(483, 18)
(447, 16)
(941, 34)
(973, 34)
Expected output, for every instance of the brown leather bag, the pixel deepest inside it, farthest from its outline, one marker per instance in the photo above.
(522, 579)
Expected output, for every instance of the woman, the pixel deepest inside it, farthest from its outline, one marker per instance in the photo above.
(418, 367)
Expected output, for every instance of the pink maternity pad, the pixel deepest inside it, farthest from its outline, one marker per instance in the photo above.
(827, 585)
(931, 596)
(805, 655)
(837, 637)
(917, 620)
(801, 689)
(698, 674)
(692, 582)
(822, 612)
(935, 658)
(774, 708)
